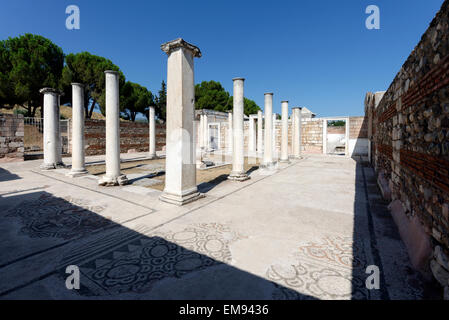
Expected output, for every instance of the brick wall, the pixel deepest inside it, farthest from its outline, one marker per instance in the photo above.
(410, 128)
(133, 136)
(11, 137)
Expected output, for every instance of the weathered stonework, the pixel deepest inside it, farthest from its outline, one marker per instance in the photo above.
(11, 137)
(133, 136)
(410, 138)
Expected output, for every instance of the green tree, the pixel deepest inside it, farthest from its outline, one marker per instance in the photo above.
(136, 99)
(89, 70)
(28, 63)
(161, 102)
(211, 95)
(337, 123)
(249, 106)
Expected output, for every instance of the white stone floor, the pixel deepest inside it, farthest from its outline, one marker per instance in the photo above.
(307, 231)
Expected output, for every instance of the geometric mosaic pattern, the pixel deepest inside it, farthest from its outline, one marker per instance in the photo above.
(137, 265)
(331, 269)
(65, 218)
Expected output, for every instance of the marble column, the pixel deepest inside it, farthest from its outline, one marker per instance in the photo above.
(113, 176)
(273, 136)
(297, 133)
(152, 125)
(230, 132)
(180, 167)
(292, 146)
(252, 134)
(52, 132)
(324, 136)
(206, 136)
(238, 172)
(78, 157)
(268, 148)
(259, 132)
(284, 141)
(200, 132)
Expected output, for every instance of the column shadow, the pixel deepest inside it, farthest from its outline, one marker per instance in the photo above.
(117, 262)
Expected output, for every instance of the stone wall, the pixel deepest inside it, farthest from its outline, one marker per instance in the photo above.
(11, 137)
(410, 144)
(134, 137)
(312, 135)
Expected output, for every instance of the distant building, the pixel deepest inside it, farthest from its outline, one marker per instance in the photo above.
(306, 113)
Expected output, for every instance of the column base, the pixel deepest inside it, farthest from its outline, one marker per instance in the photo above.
(52, 166)
(77, 173)
(285, 161)
(106, 181)
(238, 176)
(269, 165)
(181, 200)
(153, 157)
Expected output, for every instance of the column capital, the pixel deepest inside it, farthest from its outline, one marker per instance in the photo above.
(239, 78)
(51, 91)
(77, 84)
(169, 46)
(111, 72)
(268, 93)
(297, 108)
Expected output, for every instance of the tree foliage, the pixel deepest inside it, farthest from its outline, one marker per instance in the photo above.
(211, 95)
(88, 69)
(28, 63)
(161, 102)
(135, 99)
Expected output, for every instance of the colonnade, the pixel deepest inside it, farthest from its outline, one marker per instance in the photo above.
(180, 174)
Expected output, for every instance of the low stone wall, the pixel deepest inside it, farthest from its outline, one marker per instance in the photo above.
(11, 137)
(410, 146)
(134, 136)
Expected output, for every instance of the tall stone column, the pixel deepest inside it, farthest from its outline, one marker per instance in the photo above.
(78, 158)
(152, 125)
(252, 134)
(297, 133)
(52, 133)
(206, 136)
(113, 176)
(259, 132)
(230, 132)
(324, 136)
(273, 136)
(268, 149)
(200, 132)
(292, 146)
(284, 142)
(238, 161)
(180, 171)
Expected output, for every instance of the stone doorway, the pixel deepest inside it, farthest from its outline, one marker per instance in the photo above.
(336, 136)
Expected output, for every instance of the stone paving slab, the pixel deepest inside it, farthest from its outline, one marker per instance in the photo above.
(308, 231)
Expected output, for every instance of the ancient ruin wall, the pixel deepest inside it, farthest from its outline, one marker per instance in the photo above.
(411, 137)
(11, 137)
(133, 136)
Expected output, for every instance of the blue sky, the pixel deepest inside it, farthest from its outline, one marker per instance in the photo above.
(314, 53)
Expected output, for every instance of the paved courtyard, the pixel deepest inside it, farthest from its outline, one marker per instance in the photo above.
(308, 231)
